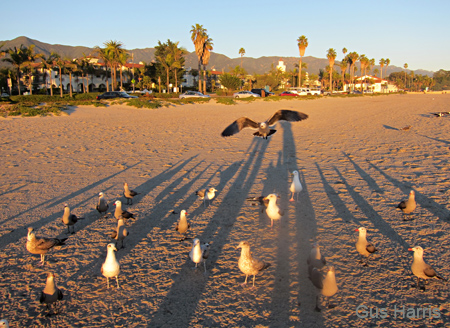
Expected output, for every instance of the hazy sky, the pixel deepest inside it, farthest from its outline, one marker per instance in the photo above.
(412, 32)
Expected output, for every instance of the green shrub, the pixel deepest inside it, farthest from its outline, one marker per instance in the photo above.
(139, 103)
(225, 101)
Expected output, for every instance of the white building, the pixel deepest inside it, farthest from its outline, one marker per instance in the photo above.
(372, 83)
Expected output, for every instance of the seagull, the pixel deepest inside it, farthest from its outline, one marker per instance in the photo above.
(102, 205)
(440, 114)
(129, 194)
(327, 286)
(41, 245)
(120, 233)
(272, 210)
(4, 323)
(262, 200)
(420, 269)
(199, 253)
(111, 267)
(69, 219)
(264, 129)
(408, 206)
(315, 258)
(363, 246)
(182, 225)
(296, 186)
(121, 213)
(207, 194)
(248, 264)
(51, 293)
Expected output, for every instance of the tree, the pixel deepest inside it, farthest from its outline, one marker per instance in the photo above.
(230, 82)
(343, 65)
(405, 67)
(207, 48)
(352, 58)
(198, 37)
(242, 53)
(364, 62)
(103, 55)
(114, 50)
(60, 63)
(331, 55)
(387, 61)
(178, 56)
(302, 43)
(164, 57)
(381, 62)
(48, 64)
(17, 57)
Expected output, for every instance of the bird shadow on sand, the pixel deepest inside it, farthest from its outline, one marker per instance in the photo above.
(19, 231)
(390, 127)
(225, 215)
(438, 210)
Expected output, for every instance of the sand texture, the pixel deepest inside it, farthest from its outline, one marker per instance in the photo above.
(356, 163)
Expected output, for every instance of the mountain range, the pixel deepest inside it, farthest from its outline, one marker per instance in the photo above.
(217, 61)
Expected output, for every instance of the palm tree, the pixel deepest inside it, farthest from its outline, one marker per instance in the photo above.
(198, 37)
(331, 55)
(48, 64)
(381, 62)
(302, 43)
(364, 62)
(60, 63)
(405, 67)
(242, 53)
(352, 59)
(105, 58)
(122, 60)
(114, 50)
(343, 66)
(207, 48)
(16, 58)
(387, 61)
(178, 58)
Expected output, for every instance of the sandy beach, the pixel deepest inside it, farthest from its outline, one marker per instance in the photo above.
(356, 163)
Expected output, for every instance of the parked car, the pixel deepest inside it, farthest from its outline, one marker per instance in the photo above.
(114, 94)
(259, 92)
(245, 94)
(289, 93)
(192, 94)
(305, 91)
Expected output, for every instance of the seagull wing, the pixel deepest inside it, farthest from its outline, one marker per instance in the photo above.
(429, 271)
(238, 125)
(286, 115)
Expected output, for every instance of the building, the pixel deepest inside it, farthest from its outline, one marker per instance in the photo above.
(371, 83)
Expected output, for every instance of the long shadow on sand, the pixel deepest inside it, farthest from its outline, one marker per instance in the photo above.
(437, 209)
(227, 212)
(292, 239)
(19, 232)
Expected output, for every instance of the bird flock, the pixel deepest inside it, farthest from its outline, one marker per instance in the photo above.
(322, 277)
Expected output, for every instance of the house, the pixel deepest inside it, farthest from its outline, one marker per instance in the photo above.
(372, 83)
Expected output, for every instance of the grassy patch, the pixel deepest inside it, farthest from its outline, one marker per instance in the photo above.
(27, 111)
(247, 99)
(140, 103)
(225, 101)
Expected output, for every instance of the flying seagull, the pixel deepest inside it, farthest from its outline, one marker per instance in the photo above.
(264, 129)
(409, 205)
(51, 294)
(129, 194)
(363, 246)
(248, 264)
(111, 266)
(102, 205)
(41, 245)
(420, 269)
(182, 225)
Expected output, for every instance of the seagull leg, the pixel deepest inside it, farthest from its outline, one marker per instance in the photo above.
(245, 282)
(117, 281)
(42, 259)
(107, 282)
(317, 308)
(292, 198)
(204, 264)
(253, 281)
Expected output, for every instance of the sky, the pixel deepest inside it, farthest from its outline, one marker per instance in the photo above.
(412, 32)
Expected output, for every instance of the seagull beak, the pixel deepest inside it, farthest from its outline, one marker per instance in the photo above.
(356, 229)
(410, 249)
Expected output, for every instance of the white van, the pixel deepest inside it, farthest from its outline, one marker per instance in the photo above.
(305, 91)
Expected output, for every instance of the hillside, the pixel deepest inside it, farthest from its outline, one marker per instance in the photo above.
(218, 61)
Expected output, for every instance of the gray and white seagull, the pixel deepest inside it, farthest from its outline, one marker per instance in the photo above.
(264, 128)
